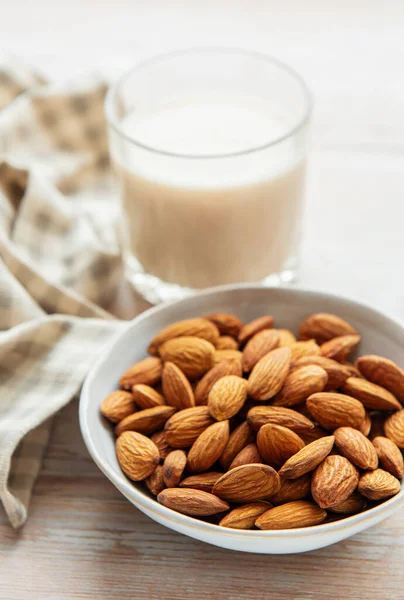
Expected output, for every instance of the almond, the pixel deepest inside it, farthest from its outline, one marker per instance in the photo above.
(334, 480)
(293, 489)
(227, 397)
(310, 435)
(278, 415)
(137, 455)
(201, 481)
(383, 372)
(253, 327)
(198, 327)
(337, 373)
(173, 467)
(390, 457)
(195, 503)
(292, 515)
(356, 448)
(247, 483)
(259, 345)
(246, 456)
(145, 421)
(300, 384)
(332, 410)
(352, 505)
(221, 355)
(238, 439)
(371, 395)
(226, 342)
(244, 517)
(323, 327)
(308, 458)
(378, 485)
(155, 482)
(226, 323)
(300, 349)
(394, 428)
(225, 367)
(340, 348)
(353, 371)
(118, 405)
(286, 338)
(146, 396)
(147, 371)
(208, 447)
(366, 425)
(183, 428)
(269, 374)
(159, 438)
(176, 388)
(276, 444)
(193, 355)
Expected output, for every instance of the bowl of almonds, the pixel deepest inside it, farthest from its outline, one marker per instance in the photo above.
(261, 420)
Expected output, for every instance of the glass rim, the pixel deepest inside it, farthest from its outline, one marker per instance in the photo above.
(114, 123)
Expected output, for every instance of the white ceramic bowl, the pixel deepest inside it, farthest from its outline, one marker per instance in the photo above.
(380, 335)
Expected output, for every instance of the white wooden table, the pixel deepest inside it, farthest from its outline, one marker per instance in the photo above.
(82, 539)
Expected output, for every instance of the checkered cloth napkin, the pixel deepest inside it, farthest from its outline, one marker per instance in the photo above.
(59, 262)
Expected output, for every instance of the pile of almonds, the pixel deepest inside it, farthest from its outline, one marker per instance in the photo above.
(245, 426)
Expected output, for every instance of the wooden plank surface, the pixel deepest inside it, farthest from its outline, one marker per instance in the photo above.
(82, 539)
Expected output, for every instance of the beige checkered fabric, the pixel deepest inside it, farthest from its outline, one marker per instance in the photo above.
(59, 262)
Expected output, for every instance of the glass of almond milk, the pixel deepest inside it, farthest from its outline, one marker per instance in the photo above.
(209, 146)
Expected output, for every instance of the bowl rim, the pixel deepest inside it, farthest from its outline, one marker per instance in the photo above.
(129, 490)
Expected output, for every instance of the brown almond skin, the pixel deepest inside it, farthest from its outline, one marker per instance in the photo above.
(253, 327)
(226, 323)
(286, 338)
(201, 481)
(146, 397)
(208, 447)
(269, 374)
(247, 483)
(390, 457)
(371, 395)
(223, 368)
(173, 468)
(291, 515)
(394, 428)
(145, 421)
(259, 345)
(198, 327)
(147, 371)
(300, 349)
(159, 438)
(278, 415)
(332, 410)
(323, 327)
(310, 435)
(246, 456)
(356, 448)
(366, 425)
(293, 489)
(155, 482)
(340, 348)
(308, 458)
(238, 439)
(118, 405)
(227, 397)
(137, 455)
(378, 485)
(276, 444)
(337, 373)
(300, 384)
(176, 388)
(183, 428)
(225, 355)
(334, 480)
(383, 372)
(193, 355)
(352, 505)
(244, 517)
(194, 503)
(226, 342)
